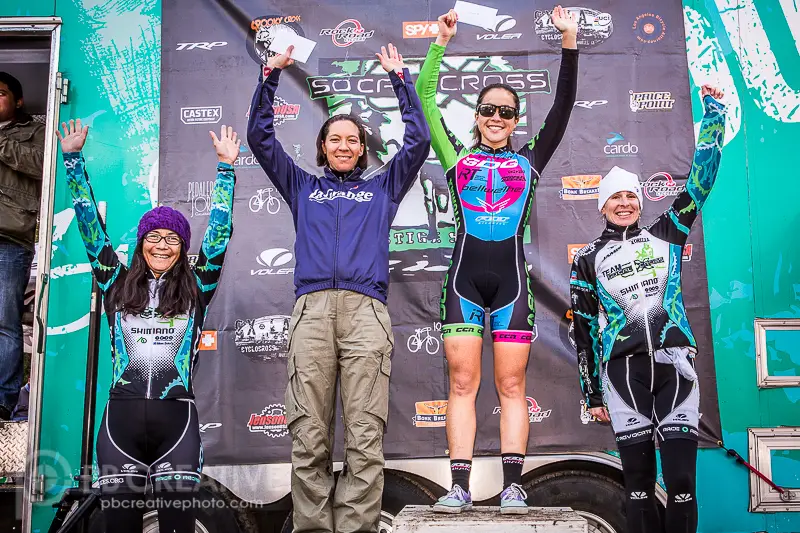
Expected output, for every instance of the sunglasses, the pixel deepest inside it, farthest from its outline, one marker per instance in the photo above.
(172, 240)
(506, 111)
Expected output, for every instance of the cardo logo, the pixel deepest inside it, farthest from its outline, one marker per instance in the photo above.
(501, 24)
(661, 185)
(201, 115)
(270, 260)
(617, 146)
(590, 104)
(246, 158)
(200, 46)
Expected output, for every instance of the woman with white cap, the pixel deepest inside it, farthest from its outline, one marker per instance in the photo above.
(635, 346)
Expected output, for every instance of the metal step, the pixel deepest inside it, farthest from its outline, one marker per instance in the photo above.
(13, 448)
(422, 519)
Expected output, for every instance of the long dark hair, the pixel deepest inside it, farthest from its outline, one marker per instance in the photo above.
(322, 159)
(476, 133)
(176, 295)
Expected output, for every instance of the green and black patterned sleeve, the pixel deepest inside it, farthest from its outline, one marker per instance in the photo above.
(218, 234)
(102, 258)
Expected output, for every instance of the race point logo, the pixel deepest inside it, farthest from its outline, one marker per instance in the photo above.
(201, 115)
(661, 185)
(594, 27)
(271, 421)
(649, 28)
(208, 340)
(431, 414)
(580, 187)
(284, 111)
(424, 29)
(263, 339)
(535, 413)
(348, 32)
(651, 101)
(263, 31)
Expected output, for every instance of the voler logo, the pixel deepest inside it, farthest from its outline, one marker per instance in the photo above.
(129, 468)
(535, 412)
(201, 115)
(264, 30)
(661, 185)
(630, 422)
(347, 32)
(263, 339)
(284, 111)
(594, 27)
(617, 146)
(271, 259)
(500, 25)
(163, 467)
(271, 421)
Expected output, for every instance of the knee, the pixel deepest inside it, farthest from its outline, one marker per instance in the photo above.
(511, 386)
(679, 482)
(464, 383)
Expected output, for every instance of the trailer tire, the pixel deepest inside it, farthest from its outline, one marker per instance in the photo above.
(597, 498)
(398, 491)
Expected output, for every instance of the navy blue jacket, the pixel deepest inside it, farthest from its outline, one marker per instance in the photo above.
(342, 224)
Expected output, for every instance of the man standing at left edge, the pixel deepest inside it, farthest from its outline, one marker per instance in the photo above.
(21, 157)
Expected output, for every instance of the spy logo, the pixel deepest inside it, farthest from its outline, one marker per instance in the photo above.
(208, 340)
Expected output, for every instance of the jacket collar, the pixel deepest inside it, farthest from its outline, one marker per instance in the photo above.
(494, 151)
(612, 230)
(353, 175)
(22, 119)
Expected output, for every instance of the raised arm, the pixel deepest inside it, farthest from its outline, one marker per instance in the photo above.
(585, 309)
(405, 164)
(446, 146)
(287, 177)
(208, 268)
(541, 148)
(102, 258)
(676, 221)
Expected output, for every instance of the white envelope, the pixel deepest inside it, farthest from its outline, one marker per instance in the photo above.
(284, 37)
(475, 14)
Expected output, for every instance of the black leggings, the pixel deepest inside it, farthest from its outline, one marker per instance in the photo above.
(679, 467)
(149, 444)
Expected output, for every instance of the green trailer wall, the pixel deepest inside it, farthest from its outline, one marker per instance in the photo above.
(110, 51)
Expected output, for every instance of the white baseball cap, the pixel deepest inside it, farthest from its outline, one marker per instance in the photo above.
(617, 180)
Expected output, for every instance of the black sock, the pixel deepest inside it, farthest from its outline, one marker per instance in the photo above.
(512, 469)
(460, 470)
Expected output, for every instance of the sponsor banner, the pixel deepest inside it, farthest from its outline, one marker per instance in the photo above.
(246, 331)
(535, 413)
(573, 249)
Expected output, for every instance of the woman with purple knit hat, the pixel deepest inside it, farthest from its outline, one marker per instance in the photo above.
(155, 307)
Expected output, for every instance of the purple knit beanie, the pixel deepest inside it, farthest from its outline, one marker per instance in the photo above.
(163, 217)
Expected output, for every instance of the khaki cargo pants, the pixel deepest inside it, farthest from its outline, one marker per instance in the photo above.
(337, 332)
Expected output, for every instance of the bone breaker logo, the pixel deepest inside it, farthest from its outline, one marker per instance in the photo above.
(430, 414)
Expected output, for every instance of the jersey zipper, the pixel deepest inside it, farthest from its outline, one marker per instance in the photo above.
(336, 246)
(151, 347)
(646, 308)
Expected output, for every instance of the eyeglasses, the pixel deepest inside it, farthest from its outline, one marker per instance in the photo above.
(155, 238)
(506, 111)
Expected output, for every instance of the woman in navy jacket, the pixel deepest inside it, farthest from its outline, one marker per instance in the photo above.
(340, 325)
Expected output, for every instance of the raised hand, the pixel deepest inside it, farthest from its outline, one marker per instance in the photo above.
(447, 27)
(392, 61)
(715, 93)
(565, 22)
(227, 145)
(74, 136)
(282, 60)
